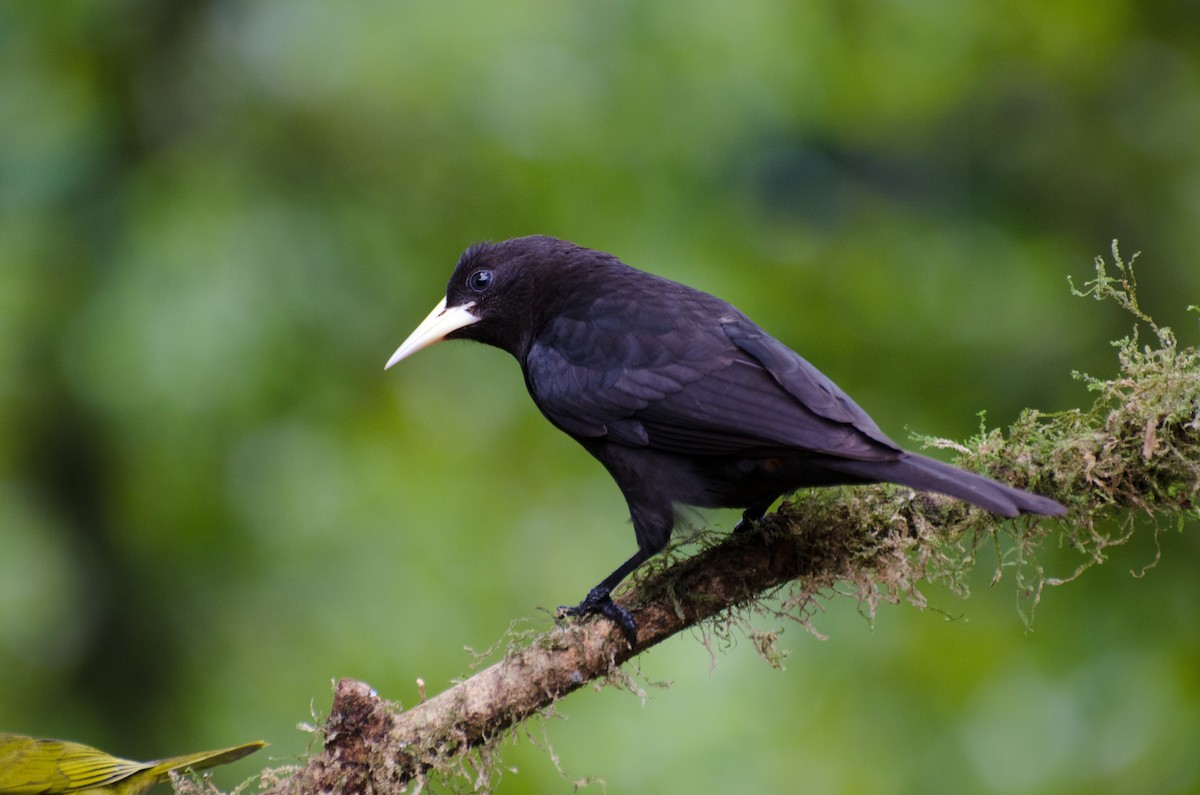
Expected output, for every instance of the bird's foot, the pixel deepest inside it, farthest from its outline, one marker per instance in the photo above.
(751, 520)
(599, 601)
(755, 521)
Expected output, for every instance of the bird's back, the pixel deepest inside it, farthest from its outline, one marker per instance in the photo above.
(644, 361)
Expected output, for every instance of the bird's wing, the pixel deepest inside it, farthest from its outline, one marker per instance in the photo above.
(602, 389)
(808, 385)
(715, 389)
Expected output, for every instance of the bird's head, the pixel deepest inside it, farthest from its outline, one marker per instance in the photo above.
(497, 294)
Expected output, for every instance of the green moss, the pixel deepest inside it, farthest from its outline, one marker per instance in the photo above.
(1128, 463)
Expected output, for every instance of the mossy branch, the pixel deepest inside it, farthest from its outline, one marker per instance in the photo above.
(1136, 451)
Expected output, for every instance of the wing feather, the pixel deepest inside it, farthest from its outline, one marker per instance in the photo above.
(720, 386)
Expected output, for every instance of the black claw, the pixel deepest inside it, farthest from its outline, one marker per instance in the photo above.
(592, 603)
(622, 618)
(754, 520)
(599, 601)
(751, 520)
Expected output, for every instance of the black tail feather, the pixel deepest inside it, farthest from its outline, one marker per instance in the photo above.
(927, 474)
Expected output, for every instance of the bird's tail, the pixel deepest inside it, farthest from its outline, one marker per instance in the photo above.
(205, 759)
(927, 474)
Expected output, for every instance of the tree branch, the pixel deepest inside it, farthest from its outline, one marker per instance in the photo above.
(370, 746)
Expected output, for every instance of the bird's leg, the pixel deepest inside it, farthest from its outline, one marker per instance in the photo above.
(599, 599)
(751, 518)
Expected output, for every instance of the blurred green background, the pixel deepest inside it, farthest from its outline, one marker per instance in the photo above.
(218, 220)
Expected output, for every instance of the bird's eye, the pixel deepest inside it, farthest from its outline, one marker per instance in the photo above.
(480, 281)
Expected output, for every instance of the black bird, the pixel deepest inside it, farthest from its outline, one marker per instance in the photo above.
(682, 398)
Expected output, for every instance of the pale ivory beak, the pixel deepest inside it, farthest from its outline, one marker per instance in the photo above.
(441, 321)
